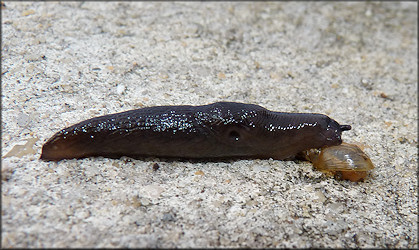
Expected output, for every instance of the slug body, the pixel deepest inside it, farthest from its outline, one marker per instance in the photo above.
(218, 130)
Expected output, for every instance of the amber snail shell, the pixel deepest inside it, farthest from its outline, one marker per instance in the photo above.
(345, 161)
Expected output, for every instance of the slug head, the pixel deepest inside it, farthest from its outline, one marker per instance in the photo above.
(332, 132)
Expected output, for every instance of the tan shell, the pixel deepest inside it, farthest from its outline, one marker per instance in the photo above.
(345, 161)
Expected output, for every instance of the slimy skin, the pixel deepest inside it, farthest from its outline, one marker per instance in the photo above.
(214, 131)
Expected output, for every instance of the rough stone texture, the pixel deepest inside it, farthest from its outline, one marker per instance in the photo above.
(66, 62)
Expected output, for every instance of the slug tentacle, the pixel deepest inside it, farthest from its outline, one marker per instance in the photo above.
(345, 127)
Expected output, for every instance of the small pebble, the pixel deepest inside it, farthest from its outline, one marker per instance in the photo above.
(156, 166)
(168, 217)
(27, 12)
(120, 89)
(23, 120)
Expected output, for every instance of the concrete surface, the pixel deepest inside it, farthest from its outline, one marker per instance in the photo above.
(66, 62)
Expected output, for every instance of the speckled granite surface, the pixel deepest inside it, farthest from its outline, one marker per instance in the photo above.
(66, 62)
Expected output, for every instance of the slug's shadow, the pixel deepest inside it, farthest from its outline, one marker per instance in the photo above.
(296, 158)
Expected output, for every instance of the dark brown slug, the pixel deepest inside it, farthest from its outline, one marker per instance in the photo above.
(214, 131)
